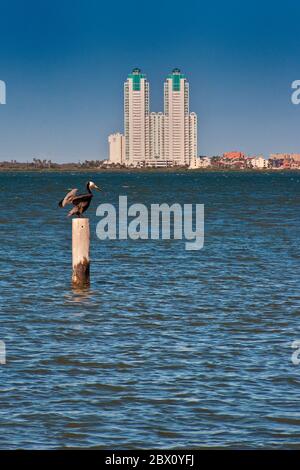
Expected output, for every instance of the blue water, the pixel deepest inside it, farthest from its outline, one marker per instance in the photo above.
(167, 348)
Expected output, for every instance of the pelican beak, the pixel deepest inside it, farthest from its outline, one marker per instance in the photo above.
(98, 189)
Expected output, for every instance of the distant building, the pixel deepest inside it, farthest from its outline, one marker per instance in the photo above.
(205, 162)
(233, 155)
(295, 160)
(153, 139)
(197, 162)
(259, 162)
(279, 156)
(157, 135)
(276, 160)
(178, 146)
(295, 157)
(116, 148)
(194, 163)
(193, 137)
(160, 163)
(136, 117)
(285, 160)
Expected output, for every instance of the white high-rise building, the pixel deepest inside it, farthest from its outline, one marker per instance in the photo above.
(178, 145)
(156, 139)
(136, 118)
(156, 136)
(116, 148)
(193, 121)
(176, 110)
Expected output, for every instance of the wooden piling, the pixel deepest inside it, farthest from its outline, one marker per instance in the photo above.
(80, 252)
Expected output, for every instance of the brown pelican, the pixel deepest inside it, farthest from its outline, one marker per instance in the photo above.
(81, 202)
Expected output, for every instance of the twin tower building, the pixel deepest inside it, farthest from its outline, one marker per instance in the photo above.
(155, 139)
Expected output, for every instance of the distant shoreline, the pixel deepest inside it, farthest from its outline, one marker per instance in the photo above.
(147, 170)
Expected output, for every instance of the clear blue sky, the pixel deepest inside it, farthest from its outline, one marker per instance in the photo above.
(64, 63)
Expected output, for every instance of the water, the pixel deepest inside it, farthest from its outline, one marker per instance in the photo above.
(168, 348)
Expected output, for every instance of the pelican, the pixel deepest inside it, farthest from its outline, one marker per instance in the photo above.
(81, 202)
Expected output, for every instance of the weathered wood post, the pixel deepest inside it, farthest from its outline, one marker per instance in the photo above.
(80, 252)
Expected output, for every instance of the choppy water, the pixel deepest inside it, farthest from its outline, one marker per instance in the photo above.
(168, 348)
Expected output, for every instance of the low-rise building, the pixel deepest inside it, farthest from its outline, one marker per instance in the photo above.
(196, 162)
(233, 155)
(116, 148)
(285, 160)
(259, 162)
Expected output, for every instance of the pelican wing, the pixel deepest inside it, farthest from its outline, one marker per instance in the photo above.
(68, 199)
(81, 198)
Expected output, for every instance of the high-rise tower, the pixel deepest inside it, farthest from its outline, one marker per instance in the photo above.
(136, 117)
(156, 136)
(193, 137)
(156, 139)
(177, 120)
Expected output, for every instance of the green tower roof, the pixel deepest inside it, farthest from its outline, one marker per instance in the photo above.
(176, 76)
(136, 76)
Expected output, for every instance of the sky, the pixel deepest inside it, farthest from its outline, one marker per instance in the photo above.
(64, 63)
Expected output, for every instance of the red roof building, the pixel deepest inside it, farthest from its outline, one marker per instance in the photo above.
(233, 155)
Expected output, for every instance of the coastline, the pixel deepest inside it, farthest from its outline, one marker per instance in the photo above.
(147, 170)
